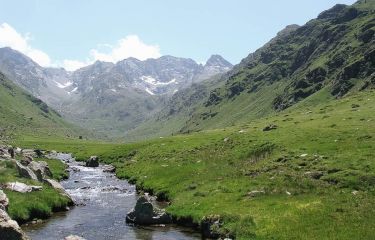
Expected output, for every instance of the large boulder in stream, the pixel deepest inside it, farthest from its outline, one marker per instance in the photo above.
(144, 213)
(109, 168)
(9, 229)
(93, 161)
(40, 169)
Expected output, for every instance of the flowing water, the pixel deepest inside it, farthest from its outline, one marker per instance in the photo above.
(103, 201)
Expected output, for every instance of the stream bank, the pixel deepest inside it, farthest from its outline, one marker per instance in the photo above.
(102, 203)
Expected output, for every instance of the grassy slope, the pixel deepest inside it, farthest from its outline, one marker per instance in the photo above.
(327, 53)
(202, 174)
(23, 115)
(27, 206)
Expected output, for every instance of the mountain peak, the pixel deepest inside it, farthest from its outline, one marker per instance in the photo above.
(16, 56)
(217, 60)
(288, 29)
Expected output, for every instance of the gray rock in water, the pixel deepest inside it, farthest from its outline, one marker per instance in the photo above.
(21, 187)
(25, 172)
(40, 169)
(9, 229)
(4, 201)
(144, 213)
(109, 168)
(93, 161)
(74, 237)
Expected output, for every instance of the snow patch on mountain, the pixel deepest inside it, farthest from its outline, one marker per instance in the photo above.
(152, 81)
(75, 89)
(65, 85)
(149, 91)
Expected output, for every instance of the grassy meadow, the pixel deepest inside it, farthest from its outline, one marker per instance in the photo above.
(314, 174)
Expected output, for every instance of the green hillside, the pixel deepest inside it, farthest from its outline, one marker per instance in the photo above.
(333, 52)
(24, 116)
(314, 174)
(280, 147)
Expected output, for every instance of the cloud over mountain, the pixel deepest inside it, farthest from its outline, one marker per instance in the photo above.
(9, 37)
(129, 46)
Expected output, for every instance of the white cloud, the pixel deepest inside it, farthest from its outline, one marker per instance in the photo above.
(72, 65)
(39, 56)
(9, 37)
(130, 46)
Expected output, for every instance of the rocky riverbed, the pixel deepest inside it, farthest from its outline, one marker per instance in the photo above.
(102, 203)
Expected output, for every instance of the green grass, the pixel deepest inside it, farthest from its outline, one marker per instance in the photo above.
(24, 207)
(322, 54)
(203, 175)
(23, 115)
(57, 167)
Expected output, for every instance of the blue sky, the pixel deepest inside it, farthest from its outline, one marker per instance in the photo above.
(81, 31)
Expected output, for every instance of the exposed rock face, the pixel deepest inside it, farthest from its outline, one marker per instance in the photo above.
(4, 202)
(40, 169)
(25, 172)
(21, 187)
(26, 160)
(135, 88)
(4, 154)
(144, 213)
(9, 229)
(74, 237)
(93, 161)
(56, 185)
(29, 152)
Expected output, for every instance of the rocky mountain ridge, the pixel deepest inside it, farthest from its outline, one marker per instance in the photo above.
(107, 96)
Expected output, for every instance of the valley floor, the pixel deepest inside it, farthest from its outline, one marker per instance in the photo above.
(312, 177)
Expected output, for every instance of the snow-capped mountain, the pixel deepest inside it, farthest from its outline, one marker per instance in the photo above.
(125, 92)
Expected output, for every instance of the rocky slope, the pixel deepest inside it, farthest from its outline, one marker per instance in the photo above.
(105, 96)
